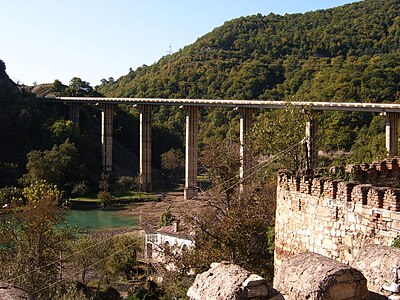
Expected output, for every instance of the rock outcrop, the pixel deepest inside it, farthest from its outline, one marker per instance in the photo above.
(315, 277)
(10, 292)
(226, 281)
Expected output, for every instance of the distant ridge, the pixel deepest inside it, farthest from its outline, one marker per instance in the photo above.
(274, 56)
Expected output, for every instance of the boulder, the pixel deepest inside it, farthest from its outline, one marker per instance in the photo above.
(226, 281)
(10, 292)
(315, 277)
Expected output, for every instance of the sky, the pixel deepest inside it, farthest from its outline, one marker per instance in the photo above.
(44, 40)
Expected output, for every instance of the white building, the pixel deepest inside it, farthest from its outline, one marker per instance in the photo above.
(176, 236)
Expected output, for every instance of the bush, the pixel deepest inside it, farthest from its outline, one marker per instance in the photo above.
(72, 292)
(126, 183)
(109, 293)
(80, 189)
(105, 198)
(9, 194)
(166, 218)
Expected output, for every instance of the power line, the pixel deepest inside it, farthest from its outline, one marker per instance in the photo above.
(250, 172)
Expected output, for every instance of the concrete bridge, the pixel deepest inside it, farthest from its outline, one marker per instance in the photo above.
(246, 109)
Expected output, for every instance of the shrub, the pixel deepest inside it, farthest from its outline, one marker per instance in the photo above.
(80, 189)
(105, 198)
(126, 183)
(9, 194)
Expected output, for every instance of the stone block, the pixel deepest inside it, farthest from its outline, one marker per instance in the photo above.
(312, 276)
(317, 186)
(344, 190)
(330, 189)
(351, 217)
(377, 262)
(396, 225)
(229, 281)
(343, 290)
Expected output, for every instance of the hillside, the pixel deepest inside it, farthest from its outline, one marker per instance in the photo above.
(348, 53)
(278, 57)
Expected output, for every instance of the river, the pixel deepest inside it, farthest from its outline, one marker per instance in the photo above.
(101, 219)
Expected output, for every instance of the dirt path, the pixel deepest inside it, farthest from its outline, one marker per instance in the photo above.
(150, 212)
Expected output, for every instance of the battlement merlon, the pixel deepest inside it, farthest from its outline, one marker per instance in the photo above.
(369, 195)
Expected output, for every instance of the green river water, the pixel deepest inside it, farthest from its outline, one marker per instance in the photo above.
(101, 218)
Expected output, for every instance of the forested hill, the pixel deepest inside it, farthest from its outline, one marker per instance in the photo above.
(348, 53)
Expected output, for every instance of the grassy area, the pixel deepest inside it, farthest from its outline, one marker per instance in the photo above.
(121, 197)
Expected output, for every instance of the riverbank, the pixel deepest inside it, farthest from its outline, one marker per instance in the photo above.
(118, 199)
(88, 216)
(150, 212)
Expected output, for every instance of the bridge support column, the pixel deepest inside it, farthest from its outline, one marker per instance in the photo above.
(106, 136)
(246, 120)
(74, 113)
(192, 121)
(312, 143)
(145, 147)
(392, 133)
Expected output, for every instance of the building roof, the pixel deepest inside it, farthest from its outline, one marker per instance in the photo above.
(178, 229)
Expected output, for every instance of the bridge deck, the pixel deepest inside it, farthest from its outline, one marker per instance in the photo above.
(323, 106)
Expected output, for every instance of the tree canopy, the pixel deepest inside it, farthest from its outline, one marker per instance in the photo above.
(349, 53)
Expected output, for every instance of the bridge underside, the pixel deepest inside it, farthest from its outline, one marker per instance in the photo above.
(246, 109)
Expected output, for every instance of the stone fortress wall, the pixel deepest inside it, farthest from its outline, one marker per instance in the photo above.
(337, 218)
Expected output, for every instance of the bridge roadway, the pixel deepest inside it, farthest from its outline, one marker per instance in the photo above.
(256, 104)
(246, 109)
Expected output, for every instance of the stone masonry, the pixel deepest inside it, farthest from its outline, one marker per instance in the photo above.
(381, 267)
(337, 218)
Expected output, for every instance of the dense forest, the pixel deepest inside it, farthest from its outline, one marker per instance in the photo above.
(349, 53)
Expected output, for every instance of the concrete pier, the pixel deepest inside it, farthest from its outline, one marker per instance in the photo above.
(246, 120)
(312, 142)
(391, 112)
(106, 136)
(192, 124)
(145, 147)
(74, 113)
(392, 133)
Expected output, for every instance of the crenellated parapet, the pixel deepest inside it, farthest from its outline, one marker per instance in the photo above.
(335, 217)
(379, 173)
(369, 190)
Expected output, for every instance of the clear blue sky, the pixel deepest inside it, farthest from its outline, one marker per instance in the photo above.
(44, 40)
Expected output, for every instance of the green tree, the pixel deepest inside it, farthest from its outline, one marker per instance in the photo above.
(166, 217)
(221, 162)
(62, 130)
(278, 134)
(60, 165)
(243, 234)
(30, 241)
(124, 254)
(103, 255)
(58, 87)
(126, 183)
(83, 254)
(370, 143)
(105, 198)
(229, 225)
(172, 162)
(79, 88)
